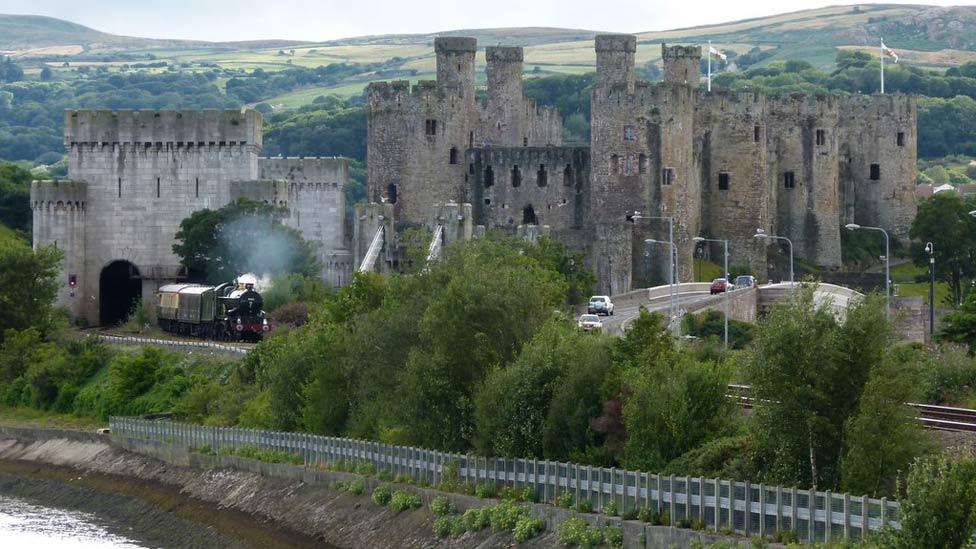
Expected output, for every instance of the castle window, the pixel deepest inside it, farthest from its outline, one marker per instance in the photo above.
(489, 177)
(430, 127)
(120, 187)
(630, 133)
(723, 181)
(901, 139)
(470, 140)
(487, 202)
(568, 176)
(821, 137)
(516, 176)
(525, 141)
(391, 193)
(541, 177)
(528, 216)
(157, 187)
(756, 130)
(789, 180)
(667, 176)
(471, 169)
(198, 188)
(629, 164)
(875, 172)
(614, 164)
(642, 163)
(453, 155)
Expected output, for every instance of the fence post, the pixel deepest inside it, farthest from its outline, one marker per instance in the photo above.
(812, 521)
(793, 513)
(884, 512)
(613, 486)
(847, 516)
(748, 514)
(762, 510)
(717, 505)
(865, 500)
(671, 512)
(829, 512)
(701, 500)
(779, 508)
(660, 494)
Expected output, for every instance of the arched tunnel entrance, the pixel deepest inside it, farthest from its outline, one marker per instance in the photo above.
(119, 286)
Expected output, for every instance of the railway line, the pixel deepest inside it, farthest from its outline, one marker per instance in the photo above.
(932, 416)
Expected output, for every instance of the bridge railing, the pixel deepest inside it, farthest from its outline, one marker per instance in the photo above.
(746, 508)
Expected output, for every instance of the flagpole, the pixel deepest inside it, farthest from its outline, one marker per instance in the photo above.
(882, 66)
(709, 65)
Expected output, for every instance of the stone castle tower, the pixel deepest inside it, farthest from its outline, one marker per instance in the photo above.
(133, 176)
(722, 164)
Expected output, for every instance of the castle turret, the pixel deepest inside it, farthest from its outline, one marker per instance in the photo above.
(615, 59)
(455, 62)
(682, 64)
(504, 73)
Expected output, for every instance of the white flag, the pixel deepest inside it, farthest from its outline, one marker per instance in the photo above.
(716, 53)
(885, 50)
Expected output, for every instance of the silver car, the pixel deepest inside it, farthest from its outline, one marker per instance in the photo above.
(589, 323)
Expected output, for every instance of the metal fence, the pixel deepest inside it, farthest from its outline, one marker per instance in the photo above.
(132, 340)
(722, 505)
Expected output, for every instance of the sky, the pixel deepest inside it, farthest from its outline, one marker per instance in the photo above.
(311, 20)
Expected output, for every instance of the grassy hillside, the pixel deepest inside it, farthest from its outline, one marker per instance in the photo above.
(923, 35)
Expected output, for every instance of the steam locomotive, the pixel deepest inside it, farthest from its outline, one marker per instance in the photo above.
(228, 311)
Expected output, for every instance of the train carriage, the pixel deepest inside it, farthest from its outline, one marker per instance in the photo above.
(221, 312)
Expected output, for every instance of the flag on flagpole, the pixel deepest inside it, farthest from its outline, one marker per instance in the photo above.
(885, 50)
(717, 53)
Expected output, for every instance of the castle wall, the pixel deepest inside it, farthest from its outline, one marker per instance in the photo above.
(869, 127)
(59, 219)
(732, 129)
(557, 200)
(316, 204)
(507, 118)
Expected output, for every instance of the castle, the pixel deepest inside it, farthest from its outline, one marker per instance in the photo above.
(722, 164)
(133, 176)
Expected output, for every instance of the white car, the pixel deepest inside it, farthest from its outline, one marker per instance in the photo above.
(589, 322)
(600, 304)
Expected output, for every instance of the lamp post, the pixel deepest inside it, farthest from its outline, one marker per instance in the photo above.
(726, 275)
(854, 227)
(672, 297)
(762, 234)
(673, 268)
(930, 249)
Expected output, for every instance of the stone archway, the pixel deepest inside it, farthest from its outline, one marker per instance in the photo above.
(119, 287)
(528, 216)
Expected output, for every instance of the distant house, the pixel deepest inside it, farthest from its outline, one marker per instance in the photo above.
(923, 191)
(943, 188)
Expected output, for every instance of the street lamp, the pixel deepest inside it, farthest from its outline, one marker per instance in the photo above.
(762, 234)
(726, 264)
(930, 249)
(672, 253)
(854, 227)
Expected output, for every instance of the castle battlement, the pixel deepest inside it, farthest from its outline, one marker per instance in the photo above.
(210, 126)
(616, 42)
(504, 54)
(679, 52)
(455, 44)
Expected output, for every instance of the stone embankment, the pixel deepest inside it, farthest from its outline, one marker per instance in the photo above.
(169, 495)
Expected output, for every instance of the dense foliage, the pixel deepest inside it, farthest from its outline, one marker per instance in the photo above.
(943, 219)
(28, 284)
(15, 209)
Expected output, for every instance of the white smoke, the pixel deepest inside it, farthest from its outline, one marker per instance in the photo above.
(261, 283)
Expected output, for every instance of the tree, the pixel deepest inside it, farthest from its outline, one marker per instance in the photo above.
(15, 209)
(28, 286)
(939, 507)
(46, 74)
(807, 375)
(944, 220)
(244, 236)
(959, 326)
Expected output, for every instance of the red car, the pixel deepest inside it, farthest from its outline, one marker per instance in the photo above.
(718, 286)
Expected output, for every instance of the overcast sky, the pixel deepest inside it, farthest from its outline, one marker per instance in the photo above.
(329, 19)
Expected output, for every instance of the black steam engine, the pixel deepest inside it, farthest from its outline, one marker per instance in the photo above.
(227, 311)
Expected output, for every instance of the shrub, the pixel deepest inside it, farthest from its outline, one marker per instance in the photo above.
(441, 506)
(528, 494)
(585, 506)
(385, 475)
(403, 501)
(647, 515)
(445, 526)
(365, 469)
(629, 514)
(486, 490)
(565, 500)
(610, 508)
(476, 519)
(382, 495)
(664, 518)
(357, 488)
(403, 479)
(578, 533)
(613, 536)
(506, 514)
(527, 528)
(938, 510)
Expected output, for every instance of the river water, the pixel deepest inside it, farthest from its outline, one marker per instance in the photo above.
(24, 524)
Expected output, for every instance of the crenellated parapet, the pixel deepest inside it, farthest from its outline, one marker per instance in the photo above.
(58, 195)
(306, 172)
(152, 128)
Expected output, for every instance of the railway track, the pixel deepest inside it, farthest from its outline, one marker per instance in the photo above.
(169, 340)
(942, 418)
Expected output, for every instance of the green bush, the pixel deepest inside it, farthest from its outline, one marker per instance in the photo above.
(441, 506)
(357, 488)
(629, 514)
(527, 528)
(585, 506)
(445, 526)
(385, 475)
(365, 469)
(648, 515)
(610, 508)
(939, 509)
(506, 514)
(578, 533)
(613, 536)
(565, 500)
(476, 519)
(486, 490)
(403, 501)
(382, 494)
